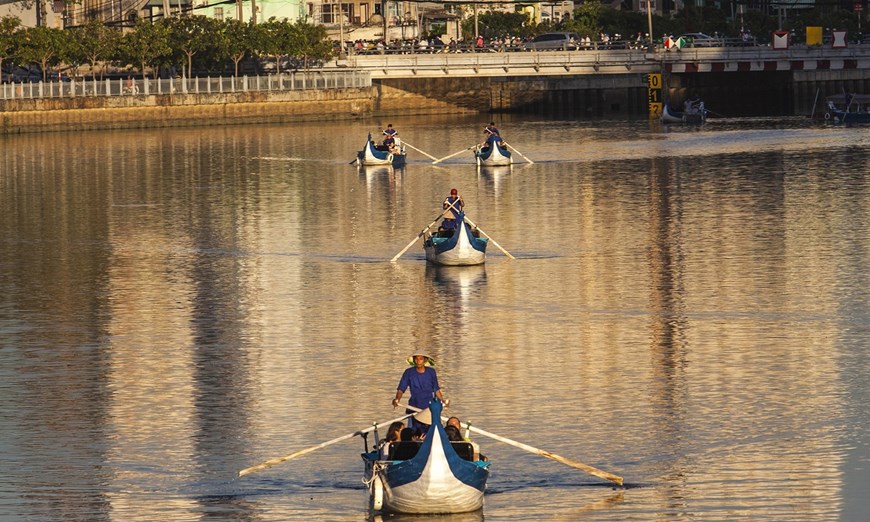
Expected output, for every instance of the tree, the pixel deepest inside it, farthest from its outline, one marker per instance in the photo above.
(147, 44)
(587, 19)
(236, 40)
(43, 45)
(498, 24)
(273, 39)
(192, 35)
(311, 42)
(9, 26)
(93, 43)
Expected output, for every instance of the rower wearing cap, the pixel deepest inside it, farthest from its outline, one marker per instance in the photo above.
(422, 379)
(452, 206)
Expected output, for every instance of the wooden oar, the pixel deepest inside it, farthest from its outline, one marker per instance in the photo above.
(454, 154)
(616, 479)
(418, 150)
(470, 222)
(518, 152)
(494, 242)
(272, 462)
(409, 245)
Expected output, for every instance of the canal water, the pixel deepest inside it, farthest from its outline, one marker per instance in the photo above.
(687, 309)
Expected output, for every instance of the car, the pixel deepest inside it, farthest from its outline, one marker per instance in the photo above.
(700, 40)
(551, 41)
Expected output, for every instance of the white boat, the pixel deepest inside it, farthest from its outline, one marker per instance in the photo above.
(372, 154)
(432, 476)
(696, 114)
(458, 247)
(494, 152)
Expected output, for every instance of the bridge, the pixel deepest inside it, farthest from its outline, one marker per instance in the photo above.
(739, 81)
(604, 62)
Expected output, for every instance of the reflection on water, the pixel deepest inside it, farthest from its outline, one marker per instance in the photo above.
(687, 310)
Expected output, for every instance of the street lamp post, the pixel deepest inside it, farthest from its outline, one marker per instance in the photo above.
(651, 47)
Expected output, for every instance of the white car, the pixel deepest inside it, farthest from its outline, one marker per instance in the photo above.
(701, 40)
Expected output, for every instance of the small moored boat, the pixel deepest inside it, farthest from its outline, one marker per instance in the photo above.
(457, 247)
(432, 476)
(372, 154)
(848, 108)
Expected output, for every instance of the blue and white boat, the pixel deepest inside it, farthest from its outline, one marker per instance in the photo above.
(493, 152)
(461, 246)
(432, 476)
(694, 114)
(848, 108)
(373, 154)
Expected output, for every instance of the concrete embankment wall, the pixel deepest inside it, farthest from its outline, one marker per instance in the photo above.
(581, 95)
(181, 110)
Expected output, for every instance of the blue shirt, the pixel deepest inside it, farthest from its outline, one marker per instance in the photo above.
(423, 386)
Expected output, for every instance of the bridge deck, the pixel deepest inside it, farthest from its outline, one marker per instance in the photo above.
(617, 61)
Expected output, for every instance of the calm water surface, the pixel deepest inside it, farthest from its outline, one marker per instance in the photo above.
(687, 309)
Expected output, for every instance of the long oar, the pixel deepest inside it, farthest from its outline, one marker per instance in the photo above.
(573, 463)
(418, 150)
(470, 222)
(279, 460)
(409, 245)
(454, 154)
(494, 242)
(518, 152)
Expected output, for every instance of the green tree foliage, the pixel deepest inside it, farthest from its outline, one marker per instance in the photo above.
(236, 40)
(193, 35)
(587, 19)
(497, 24)
(312, 43)
(147, 44)
(9, 26)
(273, 39)
(42, 45)
(93, 43)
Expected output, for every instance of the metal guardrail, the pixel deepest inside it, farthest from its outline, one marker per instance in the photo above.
(291, 81)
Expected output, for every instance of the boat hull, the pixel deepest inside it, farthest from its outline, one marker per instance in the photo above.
(460, 249)
(838, 116)
(669, 115)
(435, 480)
(494, 155)
(371, 155)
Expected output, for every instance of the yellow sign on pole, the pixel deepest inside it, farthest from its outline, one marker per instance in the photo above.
(654, 94)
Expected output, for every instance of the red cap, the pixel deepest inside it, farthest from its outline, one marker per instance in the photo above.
(453, 191)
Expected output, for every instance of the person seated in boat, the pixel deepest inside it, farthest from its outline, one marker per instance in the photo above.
(693, 105)
(393, 435)
(391, 139)
(492, 129)
(491, 138)
(452, 206)
(454, 425)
